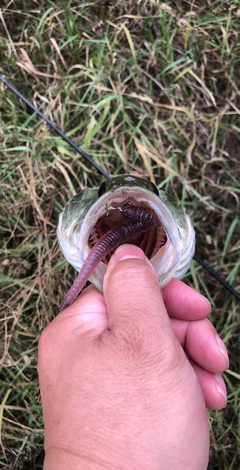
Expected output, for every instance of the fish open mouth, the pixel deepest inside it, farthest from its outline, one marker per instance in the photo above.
(150, 240)
(93, 225)
(125, 222)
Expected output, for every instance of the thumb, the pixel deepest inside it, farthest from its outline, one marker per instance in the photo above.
(134, 301)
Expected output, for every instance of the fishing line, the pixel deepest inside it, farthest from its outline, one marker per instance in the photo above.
(100, 170)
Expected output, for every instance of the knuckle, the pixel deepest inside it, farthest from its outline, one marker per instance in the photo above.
(44, 338)
(45, 346)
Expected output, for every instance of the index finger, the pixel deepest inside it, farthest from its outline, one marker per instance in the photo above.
(184, 302)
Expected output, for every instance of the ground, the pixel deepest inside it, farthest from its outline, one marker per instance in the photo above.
(145, 87)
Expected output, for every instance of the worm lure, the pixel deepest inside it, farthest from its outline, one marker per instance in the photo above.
(125, 209)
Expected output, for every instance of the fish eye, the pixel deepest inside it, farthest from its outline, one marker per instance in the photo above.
(102, 189)
(155, 189)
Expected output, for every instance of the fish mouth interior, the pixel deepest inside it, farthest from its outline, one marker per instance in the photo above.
(150, 241)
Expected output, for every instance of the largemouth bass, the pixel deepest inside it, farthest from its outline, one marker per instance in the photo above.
(125, 209)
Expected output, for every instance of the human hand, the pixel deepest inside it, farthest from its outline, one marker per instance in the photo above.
(124, 383)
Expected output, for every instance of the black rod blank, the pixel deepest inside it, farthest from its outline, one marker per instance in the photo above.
(54, 127)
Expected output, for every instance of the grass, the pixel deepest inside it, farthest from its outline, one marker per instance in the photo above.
(150, 88)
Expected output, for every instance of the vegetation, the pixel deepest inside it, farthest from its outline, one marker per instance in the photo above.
(149, 88)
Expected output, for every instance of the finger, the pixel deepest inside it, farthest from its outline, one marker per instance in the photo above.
(133, 298)
(202, 344)
(213, 388)
(184, 302)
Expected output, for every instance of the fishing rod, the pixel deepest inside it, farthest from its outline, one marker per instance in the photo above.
(101, 170)
(54, 127)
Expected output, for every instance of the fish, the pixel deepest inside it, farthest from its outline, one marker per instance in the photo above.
(124, 209)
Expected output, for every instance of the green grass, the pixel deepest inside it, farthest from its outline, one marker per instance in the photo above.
(150, 88)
